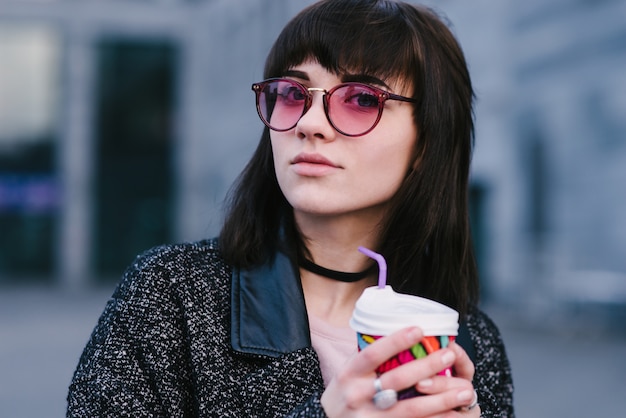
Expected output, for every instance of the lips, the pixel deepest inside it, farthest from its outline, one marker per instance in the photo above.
(313, 165)
(313, 159)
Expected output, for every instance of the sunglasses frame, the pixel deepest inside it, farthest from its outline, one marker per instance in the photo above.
(382, 95)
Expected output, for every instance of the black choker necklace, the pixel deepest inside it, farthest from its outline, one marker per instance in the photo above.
(341, 276)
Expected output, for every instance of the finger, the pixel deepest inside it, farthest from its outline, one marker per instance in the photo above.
(383, 349)
(437, 384)
(471, 409)
(446, 403)
(410, 373)
(463, 367)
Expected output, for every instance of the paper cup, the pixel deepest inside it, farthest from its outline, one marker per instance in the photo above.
(381, 311)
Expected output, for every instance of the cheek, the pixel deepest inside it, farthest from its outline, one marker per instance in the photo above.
(281, 161)
(382, 173)
(278, 151)
(396, 156)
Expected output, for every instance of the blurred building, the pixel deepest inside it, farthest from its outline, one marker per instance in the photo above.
(123, 123)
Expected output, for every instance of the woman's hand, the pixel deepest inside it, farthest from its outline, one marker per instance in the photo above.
(351, 392)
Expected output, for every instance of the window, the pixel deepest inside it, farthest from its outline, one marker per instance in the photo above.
(29, 193)
(134, 110)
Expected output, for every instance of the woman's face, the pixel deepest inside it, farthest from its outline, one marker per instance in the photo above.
(324, 173)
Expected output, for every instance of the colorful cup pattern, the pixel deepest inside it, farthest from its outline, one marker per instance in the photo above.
(428, 345)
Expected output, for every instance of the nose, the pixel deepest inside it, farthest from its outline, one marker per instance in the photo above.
(314, 123)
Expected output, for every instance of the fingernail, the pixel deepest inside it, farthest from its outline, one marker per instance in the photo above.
(448, 357)
(465, 395)
(415, 334)
(425, 383)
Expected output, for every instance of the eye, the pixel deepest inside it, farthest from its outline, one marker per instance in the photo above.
(358, 97)
(365, 99)
(291, 95)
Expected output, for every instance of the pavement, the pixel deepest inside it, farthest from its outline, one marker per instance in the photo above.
(559, 371)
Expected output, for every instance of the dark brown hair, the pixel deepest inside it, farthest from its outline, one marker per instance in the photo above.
(426, 236)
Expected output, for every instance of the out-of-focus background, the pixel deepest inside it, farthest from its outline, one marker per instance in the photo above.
(123, 123)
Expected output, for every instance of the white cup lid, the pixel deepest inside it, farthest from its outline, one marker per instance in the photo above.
(383, 311)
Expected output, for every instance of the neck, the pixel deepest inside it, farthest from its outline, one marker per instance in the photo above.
(332, 242)
(332, 300)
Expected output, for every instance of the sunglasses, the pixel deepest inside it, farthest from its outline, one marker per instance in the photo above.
(353, 109)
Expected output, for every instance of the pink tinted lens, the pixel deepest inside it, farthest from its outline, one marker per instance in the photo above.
(354, 108)
(281, 104)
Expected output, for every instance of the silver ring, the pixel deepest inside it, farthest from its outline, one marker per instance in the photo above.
(471, 406)
(384, 398)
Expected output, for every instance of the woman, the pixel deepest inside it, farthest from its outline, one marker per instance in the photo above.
(368, 114)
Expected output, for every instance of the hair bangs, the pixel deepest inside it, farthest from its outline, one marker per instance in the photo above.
(350, 39)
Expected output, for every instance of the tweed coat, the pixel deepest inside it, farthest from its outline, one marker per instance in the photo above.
(187, 335)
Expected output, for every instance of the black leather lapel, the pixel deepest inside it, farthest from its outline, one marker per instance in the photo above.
(268, 313)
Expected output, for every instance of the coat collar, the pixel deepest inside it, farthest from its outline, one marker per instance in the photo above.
(268, 313)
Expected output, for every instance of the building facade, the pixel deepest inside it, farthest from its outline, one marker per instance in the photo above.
(123, 123)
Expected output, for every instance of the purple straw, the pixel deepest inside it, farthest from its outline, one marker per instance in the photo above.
(382, 266)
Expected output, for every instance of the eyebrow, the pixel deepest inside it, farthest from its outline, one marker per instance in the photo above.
(364, 78)
(297, 74)
(360, 78)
